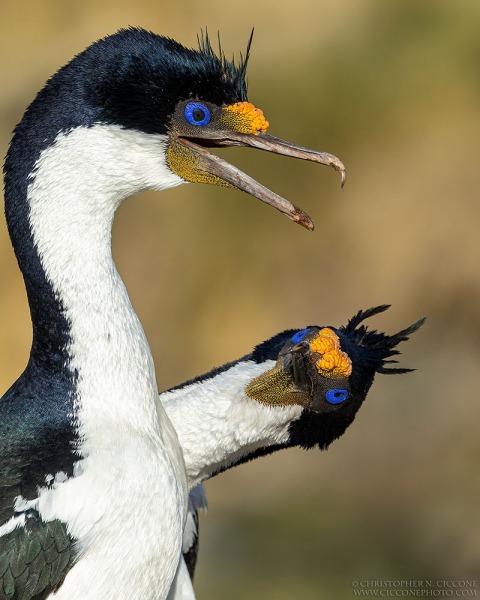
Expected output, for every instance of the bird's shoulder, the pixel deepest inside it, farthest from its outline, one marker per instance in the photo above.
(36, 447)
(34, 558)
(37, 439)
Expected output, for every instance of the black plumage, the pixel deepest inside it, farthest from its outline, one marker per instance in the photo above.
(34, 559)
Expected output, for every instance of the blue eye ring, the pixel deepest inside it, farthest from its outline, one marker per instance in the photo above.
(298, 337)
(336, 396)
(197, 113)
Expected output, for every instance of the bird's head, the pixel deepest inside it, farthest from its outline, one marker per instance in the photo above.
(196, 99)
(328, 371)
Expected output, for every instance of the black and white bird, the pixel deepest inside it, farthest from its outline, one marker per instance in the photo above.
(92, 476)
(299, 388)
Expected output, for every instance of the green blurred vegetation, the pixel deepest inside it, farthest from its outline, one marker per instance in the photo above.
(393, 88)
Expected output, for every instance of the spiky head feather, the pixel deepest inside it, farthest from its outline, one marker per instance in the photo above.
(371, 349)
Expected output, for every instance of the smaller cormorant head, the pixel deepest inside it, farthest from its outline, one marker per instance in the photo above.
(328, 371)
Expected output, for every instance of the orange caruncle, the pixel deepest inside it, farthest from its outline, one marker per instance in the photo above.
(334, 361)
(325, 341)
(252, 118)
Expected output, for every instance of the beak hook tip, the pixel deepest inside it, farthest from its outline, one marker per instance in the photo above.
(301, 217)
(340, 168)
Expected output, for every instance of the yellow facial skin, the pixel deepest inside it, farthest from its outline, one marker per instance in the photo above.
(186, 163)
(241, 117)
(276, 388)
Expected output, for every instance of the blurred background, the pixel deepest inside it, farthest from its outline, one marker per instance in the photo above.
(393, 89)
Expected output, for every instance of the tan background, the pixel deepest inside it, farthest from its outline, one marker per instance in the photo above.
(393, 88)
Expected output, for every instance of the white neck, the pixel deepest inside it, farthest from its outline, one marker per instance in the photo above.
(79, 182)
(218, 409)
(129, 492)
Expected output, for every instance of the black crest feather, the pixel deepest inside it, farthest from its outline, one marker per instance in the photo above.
(372, 348)
(236, 73)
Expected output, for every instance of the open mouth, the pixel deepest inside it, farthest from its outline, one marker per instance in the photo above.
(214, 165)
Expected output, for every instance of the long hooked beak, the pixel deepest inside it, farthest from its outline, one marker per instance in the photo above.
(224, 171)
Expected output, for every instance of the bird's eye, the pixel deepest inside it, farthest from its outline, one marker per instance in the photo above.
(298, 337)
(197, 114)
(336, 396)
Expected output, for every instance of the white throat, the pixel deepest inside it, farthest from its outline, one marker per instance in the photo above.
(218, 424)
(129, 492)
